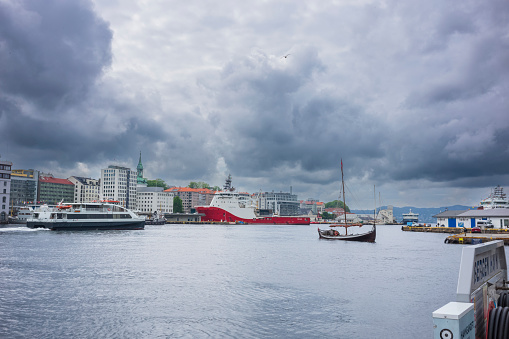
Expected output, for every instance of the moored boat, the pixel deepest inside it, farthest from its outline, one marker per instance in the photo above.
(231, 207)
(334, 234)
(156, 219)
(410, 218)
(86, 216)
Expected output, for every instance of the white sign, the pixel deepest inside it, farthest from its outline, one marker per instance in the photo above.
(480, 264)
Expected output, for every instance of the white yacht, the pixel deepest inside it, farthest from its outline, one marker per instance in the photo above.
(103, 215)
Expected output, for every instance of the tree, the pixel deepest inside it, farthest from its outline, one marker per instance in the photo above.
(177, 205)
(336, 204)
(199, 184)
(157, 183)
(328, 216)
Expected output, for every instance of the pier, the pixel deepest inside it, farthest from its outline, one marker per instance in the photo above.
(476, 238)
(464, 235)
(432, 229)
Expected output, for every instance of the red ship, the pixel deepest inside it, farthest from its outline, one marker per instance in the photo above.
(232, 207)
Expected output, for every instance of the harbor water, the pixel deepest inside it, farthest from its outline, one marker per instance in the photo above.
(222, 281)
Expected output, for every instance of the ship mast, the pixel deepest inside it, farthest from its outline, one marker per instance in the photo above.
(374, 212)
(344, 203)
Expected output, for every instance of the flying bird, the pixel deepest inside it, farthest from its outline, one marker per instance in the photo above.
(285, 56)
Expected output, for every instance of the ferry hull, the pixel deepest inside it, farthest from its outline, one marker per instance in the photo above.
(85, 226)
(215, 214)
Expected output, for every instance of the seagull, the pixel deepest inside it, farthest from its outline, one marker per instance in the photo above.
(285, 56)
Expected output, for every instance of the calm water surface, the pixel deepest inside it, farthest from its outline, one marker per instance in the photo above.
(199, 281)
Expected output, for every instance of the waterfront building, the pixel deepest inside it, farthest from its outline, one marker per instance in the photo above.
(52, 190)
(386, 216)
(353, 218)
(85, 189)
(5, 189)
(283, 204)
(183, 217)
(119, 184)
(499, 218)
(24, 187)
(192, 197)
(337, 211)
(448, 218)
(312, 205)
(150, 199)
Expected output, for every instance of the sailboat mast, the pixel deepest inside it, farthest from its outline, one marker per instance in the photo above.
(374, 211)
(344, 203)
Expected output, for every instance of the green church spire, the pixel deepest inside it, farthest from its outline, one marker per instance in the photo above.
(140, 179)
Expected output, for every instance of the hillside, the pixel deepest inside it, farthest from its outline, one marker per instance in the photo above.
(425, 214)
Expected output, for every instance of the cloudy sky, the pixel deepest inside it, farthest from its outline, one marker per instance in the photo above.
(412, 95)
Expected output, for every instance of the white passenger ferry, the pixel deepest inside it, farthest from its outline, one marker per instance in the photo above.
(104, 215)
(410, 218)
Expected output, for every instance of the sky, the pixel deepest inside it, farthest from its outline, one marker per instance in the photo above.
(412, 96)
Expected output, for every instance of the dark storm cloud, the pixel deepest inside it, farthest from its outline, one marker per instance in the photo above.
(276, 120)
(52, 54)
(51, 51)
(406, 93)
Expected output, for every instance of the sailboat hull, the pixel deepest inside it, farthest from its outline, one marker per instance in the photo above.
(362, 237)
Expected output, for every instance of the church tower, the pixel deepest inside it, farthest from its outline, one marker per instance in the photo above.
(140, 179)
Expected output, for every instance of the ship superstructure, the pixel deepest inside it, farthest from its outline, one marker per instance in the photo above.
(496, 199)
(410, 217)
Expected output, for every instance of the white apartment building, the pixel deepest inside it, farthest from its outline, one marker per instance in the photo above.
(150, 199)
(5, 189)
(280, 203)
(85, 189)
(119, 184)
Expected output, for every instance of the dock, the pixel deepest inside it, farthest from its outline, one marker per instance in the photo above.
(432, 229)
(476, 238)
(464, 235)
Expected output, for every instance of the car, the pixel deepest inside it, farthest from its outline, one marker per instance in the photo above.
(485, 223)
(475, 230)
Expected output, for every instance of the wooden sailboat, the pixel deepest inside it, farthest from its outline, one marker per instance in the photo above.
(333, 234)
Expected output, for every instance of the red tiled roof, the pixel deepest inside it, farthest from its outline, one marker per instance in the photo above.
(187, 189)
(55, 180)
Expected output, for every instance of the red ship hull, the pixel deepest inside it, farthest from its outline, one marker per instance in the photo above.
(215, 214)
